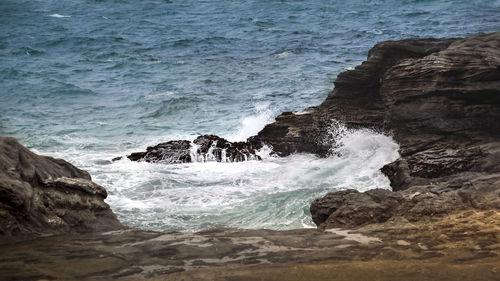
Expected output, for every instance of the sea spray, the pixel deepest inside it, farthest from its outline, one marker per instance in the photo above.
(251, 125)
(273, 193)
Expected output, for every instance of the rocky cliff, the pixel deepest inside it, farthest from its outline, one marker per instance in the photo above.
(43, 195)
(443, 108)
(439, 98)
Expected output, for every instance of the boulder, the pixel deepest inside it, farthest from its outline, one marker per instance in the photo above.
(351, 208)
(44, 195)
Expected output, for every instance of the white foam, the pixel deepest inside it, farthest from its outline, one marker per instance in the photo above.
(251, 125)
(283, 55)
(161, 94)
(273, 193)
(59, 16)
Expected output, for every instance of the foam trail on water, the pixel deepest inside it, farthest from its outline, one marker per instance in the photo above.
(59, 16)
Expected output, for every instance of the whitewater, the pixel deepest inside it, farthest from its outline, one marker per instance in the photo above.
(273, 193)
(88, 81)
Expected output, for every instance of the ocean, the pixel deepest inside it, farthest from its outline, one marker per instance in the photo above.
(88, 81)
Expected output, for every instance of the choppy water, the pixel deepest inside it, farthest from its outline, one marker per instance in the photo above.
(90, 80)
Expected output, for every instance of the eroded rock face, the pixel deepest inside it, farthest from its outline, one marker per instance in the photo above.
(202, 149)
(43, 195)
(351, 208)
(355, 101)
(443, 109)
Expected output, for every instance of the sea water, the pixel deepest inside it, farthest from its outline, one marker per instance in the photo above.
(88, 81)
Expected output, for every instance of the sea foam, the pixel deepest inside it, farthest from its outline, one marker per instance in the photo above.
(59, 16)
(272, 193)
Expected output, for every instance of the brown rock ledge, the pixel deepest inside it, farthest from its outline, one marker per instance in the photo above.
(462, 246)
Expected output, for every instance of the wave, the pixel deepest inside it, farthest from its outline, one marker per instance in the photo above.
(59, 16)
(275, 192)
(251, 125)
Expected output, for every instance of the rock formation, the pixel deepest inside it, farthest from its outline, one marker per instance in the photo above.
(440, 98)
(443, 108)
(202, 149)
(43, 195)
(355, 101)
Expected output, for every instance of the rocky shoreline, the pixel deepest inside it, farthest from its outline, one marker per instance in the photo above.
(439, 98)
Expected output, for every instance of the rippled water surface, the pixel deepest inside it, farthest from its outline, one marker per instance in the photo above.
(91, 80)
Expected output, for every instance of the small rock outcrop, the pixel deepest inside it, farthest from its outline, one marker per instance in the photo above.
(202, 149)
(443, 108)
(43, 195)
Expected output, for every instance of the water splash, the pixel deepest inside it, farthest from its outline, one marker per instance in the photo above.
(59, 16)
(251, 125)
(273, 193)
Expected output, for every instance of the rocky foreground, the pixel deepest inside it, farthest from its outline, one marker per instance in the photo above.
(440, 98)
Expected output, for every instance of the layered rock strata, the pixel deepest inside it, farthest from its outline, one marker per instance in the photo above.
(443, 109)
(44, 195)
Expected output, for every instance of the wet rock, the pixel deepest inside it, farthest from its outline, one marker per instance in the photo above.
(171, 152)
(351, 208)
(442, 105)
(43, 195)
(202, 149)
(355, 101)
(443, 110)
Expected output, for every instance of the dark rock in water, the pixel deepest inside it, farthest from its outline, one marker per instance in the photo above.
(442, 105)
(202, 149)
(211, 147)
(168, 152)
(355, 101)
(43, 195)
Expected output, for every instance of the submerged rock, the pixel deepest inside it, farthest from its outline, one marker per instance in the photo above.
(43, 195)
(202, 149)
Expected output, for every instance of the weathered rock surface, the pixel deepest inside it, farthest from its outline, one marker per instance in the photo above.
(43, 195)
(443, 109)
(355, 100)
(463, 246)
(202, 149)
(351, 208)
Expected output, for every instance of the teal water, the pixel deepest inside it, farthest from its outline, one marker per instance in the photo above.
(91, 80)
